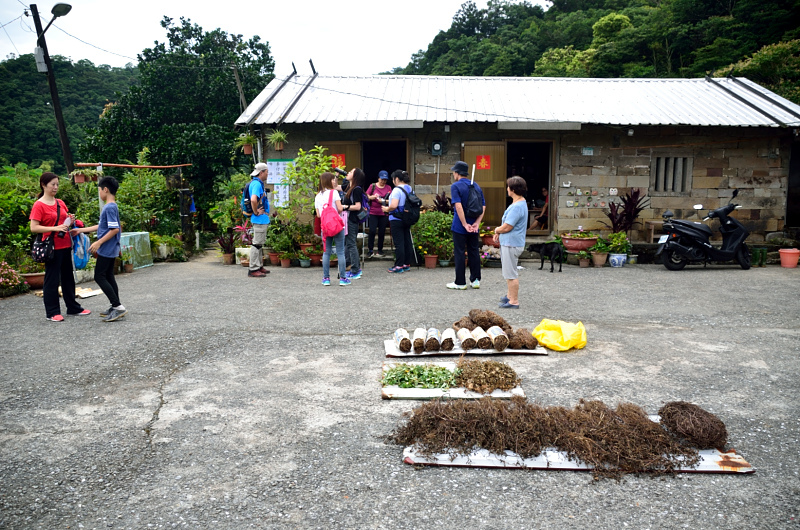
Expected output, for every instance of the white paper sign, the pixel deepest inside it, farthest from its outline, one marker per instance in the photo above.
(277, 170)
(280, 197)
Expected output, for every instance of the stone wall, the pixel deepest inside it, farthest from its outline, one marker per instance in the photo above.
(756, 161)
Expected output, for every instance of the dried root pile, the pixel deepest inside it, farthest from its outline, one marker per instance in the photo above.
(487, 319)
(613, 441)
(698, 427)
(486, 376)
(521, 339)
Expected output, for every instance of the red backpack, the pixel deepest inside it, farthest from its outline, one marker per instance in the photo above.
(330, 220)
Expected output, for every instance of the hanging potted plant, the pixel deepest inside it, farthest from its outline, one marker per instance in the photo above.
(84, 174)
(618, 246)
(276, 139)
(245, 141)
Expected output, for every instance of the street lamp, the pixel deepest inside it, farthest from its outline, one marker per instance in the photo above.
(59, 10)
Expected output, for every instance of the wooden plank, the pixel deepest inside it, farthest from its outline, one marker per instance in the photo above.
(392, 351)
(395, 392)
(711, 461)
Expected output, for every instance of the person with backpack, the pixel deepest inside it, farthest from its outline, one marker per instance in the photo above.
(329, 208)
(469, 206)
(355, 203)
(399, 225)
(378, 195)
(259, 206)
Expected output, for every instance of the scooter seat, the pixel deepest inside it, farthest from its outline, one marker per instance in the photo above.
(693, 226)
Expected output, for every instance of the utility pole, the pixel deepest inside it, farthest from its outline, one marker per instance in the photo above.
(51, 80)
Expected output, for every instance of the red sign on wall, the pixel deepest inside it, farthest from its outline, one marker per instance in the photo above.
(484, 162)
(338, 160)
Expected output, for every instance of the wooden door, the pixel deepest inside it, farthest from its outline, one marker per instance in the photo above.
(348, 154)
(489, 159)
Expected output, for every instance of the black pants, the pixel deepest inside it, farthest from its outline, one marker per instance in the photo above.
(59, 271)
(403, 249)
(104, 277)
(377, 223)
(472, 243)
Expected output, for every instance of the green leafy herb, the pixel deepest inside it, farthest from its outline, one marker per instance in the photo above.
(419, 376)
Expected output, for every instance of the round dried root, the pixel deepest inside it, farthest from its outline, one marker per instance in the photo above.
(522, 339)
(699, 427)
(402, 341)
(481, 338)
(487, 319)
(499, 338)
(467, 342)
(465, 322)
(433, 340)
(448, 339)
(419, 339)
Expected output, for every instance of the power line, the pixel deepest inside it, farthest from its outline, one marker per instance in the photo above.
(93, 46)
(9, 36)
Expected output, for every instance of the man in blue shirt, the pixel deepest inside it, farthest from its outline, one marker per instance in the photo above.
(260, 219)
(465, 229)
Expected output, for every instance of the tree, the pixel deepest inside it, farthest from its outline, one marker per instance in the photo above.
(776, 66)
(186, 104)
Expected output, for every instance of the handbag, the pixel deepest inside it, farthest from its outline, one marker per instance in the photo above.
(330, 220)
(43, 250)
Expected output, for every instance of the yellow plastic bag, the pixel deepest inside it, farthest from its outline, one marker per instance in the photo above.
(559, 335)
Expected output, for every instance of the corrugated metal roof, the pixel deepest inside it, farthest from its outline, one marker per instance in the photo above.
(531, 100)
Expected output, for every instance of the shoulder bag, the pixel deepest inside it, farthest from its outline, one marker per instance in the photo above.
(43, 250)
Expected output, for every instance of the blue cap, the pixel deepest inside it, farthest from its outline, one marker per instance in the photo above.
(461, 168)
(383, 175)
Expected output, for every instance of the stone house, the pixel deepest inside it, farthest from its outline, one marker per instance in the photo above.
(585, 141)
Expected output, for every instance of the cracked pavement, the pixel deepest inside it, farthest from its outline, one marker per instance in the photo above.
(198, 410)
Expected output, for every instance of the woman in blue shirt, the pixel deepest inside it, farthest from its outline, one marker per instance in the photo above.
(401, 234)
(511, 236)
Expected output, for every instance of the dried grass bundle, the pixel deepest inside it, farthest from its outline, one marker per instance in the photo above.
(698, 427)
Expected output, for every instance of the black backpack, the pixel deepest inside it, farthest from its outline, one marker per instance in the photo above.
(410, 214)
(474, 203)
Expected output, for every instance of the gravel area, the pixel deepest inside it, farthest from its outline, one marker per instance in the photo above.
(232, 402)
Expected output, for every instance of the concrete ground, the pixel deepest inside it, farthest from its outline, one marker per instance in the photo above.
(223, 401)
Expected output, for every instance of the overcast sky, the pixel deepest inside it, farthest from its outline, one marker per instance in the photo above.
(344, 37)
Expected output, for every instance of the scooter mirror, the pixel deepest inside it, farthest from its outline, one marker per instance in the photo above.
(698, 206)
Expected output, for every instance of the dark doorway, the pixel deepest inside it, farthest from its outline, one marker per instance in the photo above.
(383, 155)
(531, 161)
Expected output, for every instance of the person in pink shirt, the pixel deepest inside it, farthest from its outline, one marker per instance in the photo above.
(378, 195)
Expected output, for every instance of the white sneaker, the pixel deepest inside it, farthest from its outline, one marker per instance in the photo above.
(454, 285)
(475, 285)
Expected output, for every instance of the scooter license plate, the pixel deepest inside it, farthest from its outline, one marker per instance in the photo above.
(663, 239)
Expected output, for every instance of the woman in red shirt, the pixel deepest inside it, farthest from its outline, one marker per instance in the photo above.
(50, 217)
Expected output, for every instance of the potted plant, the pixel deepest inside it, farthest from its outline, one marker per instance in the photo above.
(31, 271)
(315, 254)
(487, 236)
(276, 139)
(245, 142)
(579, 240)
(431, 234)
(227, 245)
(599, 252)
(584, 258)
(11, 282)
(305, 259)
(286, 258)
(445, 252)
(618, 246)
(84, 174)
(126, 255)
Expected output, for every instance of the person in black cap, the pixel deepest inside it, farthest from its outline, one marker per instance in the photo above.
(465, 229)
(378, 195)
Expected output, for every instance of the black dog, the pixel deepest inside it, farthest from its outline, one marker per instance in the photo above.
(548, 250)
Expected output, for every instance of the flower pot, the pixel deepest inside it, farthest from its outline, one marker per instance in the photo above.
(286, 263)
(617, 260)
(599, 258)
(244, 262)
(489, 240)
(444, 262)
(430, 261)
(316, 259)
(789, 257)
(227, 259)
(633, 259)
(79, 178)
(494, 263)
(127, 267)
(35, 279)
(247, 149)
(576, 244)
(273, 258)
(305, 246)
(305, 263)
(279, 146)
(242, 253)
(584, 263)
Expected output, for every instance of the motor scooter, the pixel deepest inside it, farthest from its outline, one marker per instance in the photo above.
(688, 241)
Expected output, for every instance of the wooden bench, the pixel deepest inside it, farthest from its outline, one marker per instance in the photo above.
(652, 225)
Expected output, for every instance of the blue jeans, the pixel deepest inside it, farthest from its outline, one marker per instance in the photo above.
(472, 243)
(337, 240)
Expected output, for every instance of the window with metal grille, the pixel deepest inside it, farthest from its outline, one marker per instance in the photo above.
(671, 175)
